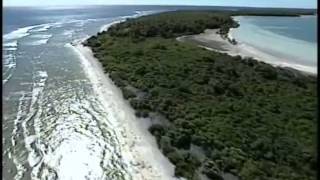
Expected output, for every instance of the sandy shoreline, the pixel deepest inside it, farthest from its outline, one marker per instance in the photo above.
(139, 147)
(213, 41)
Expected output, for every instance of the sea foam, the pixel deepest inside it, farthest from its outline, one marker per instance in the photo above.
(11, 44)
(19, 33)
(40, 39)
(42, 28)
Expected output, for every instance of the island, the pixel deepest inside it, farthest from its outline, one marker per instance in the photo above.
(214, 116)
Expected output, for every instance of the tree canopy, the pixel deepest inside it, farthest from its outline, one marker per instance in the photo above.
(249, 118)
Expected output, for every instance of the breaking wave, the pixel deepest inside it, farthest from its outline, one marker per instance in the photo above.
(62, 128)
(9, 60)
(42, 28)
(19, 33)
(40, 39)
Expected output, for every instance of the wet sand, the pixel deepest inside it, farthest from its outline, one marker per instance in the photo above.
(210, 40)
(138, 145)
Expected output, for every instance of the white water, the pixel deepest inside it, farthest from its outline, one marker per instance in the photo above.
(69, 124)
(19, 33)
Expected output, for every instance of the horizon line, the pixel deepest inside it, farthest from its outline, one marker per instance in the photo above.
(80, 5)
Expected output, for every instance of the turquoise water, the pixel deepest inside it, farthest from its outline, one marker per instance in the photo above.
(291, 39)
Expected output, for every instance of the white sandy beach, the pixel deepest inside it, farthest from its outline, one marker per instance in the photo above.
(138, 145)
(213, 41)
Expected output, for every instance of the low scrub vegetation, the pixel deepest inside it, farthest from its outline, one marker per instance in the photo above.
(249, 119)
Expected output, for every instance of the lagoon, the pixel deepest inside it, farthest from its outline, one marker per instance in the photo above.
(293, 39)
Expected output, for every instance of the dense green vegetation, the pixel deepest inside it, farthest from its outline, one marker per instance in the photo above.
(247, 118)
(184, 23)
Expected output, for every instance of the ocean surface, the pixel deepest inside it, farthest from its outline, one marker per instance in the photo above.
(54, 126)
(292, 39)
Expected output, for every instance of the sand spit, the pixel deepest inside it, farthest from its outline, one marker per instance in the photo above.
(210, 40)
(139, 147)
